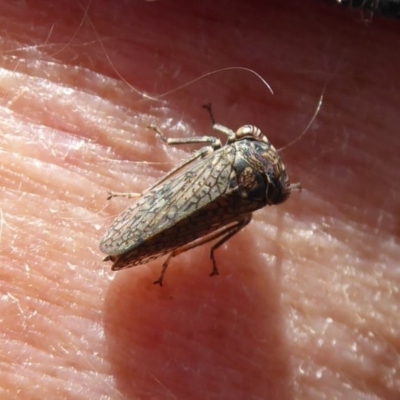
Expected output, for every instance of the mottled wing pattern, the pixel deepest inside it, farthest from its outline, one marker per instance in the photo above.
(166, 204)
(209, 223)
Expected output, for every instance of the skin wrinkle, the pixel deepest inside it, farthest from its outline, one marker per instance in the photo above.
(306, 302)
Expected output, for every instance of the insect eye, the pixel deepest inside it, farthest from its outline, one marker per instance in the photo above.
(249, 131)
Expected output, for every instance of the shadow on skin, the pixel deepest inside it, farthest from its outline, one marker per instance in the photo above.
(198, 336)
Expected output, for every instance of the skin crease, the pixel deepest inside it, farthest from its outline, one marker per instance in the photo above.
(306, 304)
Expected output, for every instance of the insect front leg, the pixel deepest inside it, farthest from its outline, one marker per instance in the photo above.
(212, 142)
(218, 127)
(204, 151)
(208, 140)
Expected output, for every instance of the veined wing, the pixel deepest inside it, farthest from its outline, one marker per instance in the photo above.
(198, 184)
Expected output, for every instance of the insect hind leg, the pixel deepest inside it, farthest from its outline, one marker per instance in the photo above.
(228, 233)
(224, 234)
(122, 194)
(160, 279)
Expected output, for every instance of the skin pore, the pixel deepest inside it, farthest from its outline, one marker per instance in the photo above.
(306, 304)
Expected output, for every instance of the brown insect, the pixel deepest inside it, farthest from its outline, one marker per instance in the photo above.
(210, 196)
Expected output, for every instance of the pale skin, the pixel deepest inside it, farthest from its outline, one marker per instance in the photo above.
(306, 304)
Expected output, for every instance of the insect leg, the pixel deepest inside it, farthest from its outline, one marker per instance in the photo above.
(295, 186)
(233, 230)
(218, 127)
(227, 232)
(121, 194)
(204, 151)
(212, 141)
(160, 279)
(214, 144)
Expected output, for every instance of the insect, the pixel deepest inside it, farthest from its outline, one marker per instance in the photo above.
(210, 196)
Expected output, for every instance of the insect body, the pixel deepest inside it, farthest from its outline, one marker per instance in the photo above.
(211, 196)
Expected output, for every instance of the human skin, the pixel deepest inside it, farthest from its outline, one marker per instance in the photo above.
(306, 305)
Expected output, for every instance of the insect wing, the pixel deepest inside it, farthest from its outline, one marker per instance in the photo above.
(166, 204)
